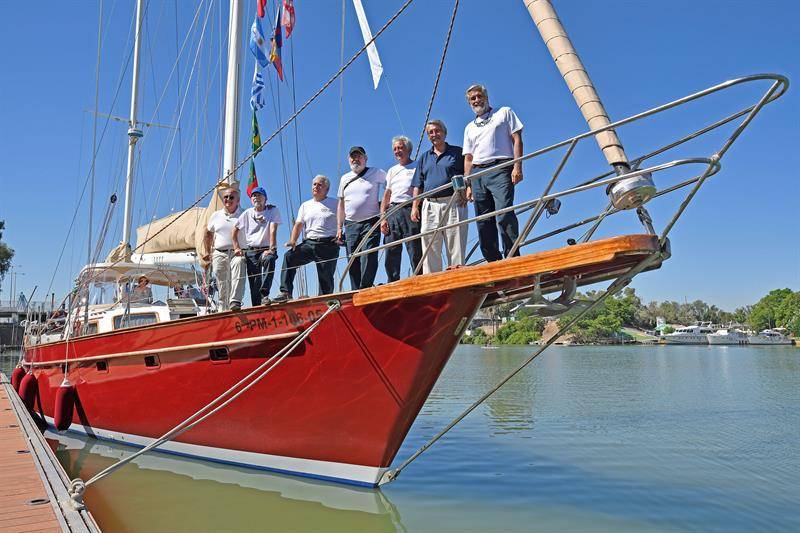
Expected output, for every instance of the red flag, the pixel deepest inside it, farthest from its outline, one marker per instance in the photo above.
(288, 16)
(275, 49)
(261, 4)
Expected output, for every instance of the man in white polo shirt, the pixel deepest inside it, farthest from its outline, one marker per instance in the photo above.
(493, 137)
(260, 227)
(399, 224)
(360, 193)
(317, 217)
(218, 242)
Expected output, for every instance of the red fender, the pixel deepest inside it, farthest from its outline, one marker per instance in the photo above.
(65, 404)
(28, 388)
(16, 377)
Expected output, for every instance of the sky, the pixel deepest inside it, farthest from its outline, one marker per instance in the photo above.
(736, 241)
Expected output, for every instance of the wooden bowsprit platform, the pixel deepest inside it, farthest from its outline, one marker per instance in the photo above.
(32, 483)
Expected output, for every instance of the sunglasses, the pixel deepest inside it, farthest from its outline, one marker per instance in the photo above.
(229, 197)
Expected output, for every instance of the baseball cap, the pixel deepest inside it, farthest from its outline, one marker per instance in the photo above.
(357, 149)
(259, 190)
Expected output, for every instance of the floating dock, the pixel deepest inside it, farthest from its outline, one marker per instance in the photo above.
(33, 486)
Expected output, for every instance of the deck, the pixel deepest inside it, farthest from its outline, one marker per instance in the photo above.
(30, 483)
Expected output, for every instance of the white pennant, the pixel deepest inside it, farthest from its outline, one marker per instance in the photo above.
(372, 52)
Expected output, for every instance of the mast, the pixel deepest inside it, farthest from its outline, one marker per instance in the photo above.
(627, 193)
(134, 134)
(232, 90)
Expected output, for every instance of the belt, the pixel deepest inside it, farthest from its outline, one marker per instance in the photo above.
(370, 220)
(393, 204)
(322, 239)
(223, 250)
(256, 248)
(491, 163)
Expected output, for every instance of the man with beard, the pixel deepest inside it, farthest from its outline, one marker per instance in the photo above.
(436, 167)
(493, 137)
(399, 224)
(360, 193)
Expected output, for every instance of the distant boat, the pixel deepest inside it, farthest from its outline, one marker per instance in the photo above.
(696, 334)
(728, 336)
(770, 336)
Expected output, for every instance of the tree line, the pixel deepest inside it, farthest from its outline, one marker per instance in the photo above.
(779, 308)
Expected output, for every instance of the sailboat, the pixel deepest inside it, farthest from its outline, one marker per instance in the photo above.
(329, 386)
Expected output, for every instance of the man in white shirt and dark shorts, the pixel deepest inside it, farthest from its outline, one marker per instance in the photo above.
(360, 193)
(399, 225)
(493, 137)
(317, 217)
(259, 224)
(228, 267)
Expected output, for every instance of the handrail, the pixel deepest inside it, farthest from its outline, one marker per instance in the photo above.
(777, 89)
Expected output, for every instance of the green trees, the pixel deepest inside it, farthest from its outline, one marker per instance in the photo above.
(524, 330)
(6, 253)
(779, 308)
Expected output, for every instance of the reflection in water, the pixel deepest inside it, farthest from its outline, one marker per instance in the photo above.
(585, 439)
(194, 495)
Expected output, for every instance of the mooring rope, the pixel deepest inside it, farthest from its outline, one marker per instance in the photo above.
(78, 486)
(616, 286)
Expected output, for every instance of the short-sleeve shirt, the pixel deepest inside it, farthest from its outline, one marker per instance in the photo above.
(398, 180)
(255, 225)
(436, 170)
(488, 137)
(318, 218)
(362, 197)
(221, 224)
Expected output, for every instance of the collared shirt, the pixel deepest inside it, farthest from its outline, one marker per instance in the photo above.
(488, 137)
(221, 224)
(362, 195)
(318, 218)
(398, 180)
(436, 170)
(255, 225)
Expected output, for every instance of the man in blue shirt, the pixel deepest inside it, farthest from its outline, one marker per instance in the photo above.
(435, 168)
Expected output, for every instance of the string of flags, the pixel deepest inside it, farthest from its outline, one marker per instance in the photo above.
(284, 20)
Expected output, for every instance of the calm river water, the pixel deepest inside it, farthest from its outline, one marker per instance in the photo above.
(662, 438)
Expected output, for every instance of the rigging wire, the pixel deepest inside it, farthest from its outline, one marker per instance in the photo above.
(86, 181)
(438, 76)
(274, 134)
(341, 99)
(303, 272)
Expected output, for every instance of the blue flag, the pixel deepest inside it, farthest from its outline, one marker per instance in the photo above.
(257, 98)
(258, 44)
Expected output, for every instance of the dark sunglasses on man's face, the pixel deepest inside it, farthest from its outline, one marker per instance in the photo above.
(229, 198)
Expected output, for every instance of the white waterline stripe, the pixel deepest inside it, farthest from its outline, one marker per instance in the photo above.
(326, 470)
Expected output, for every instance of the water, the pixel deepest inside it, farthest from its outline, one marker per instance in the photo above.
(662, 438)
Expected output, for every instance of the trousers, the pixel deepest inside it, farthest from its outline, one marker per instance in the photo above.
(229, 270)
(492, 192)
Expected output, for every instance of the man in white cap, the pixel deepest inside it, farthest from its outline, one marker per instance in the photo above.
(229, 268)
(360, 193)
(260, 227)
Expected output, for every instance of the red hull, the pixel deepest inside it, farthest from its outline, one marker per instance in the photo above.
(348, 395)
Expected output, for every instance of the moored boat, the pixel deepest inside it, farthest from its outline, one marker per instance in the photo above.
(728, 336)
(776, 336)
(696, 334)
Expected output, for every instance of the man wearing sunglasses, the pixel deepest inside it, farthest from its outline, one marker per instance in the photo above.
(493, 137)
(229, 268)
(260, 227)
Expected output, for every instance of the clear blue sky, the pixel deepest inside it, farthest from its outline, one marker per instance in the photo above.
(737, 241)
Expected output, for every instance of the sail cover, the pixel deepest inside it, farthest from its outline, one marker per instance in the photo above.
(178, 237)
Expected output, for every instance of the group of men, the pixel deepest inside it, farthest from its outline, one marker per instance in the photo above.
(417, 195)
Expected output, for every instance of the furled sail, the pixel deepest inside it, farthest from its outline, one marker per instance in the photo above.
(184, 230)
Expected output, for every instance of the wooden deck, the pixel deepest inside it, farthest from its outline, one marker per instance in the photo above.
(33, 486)
(20, 481)
(591, 261)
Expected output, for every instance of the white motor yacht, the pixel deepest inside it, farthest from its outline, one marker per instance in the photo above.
(728, 336)
(770, 336)
(696, 334)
